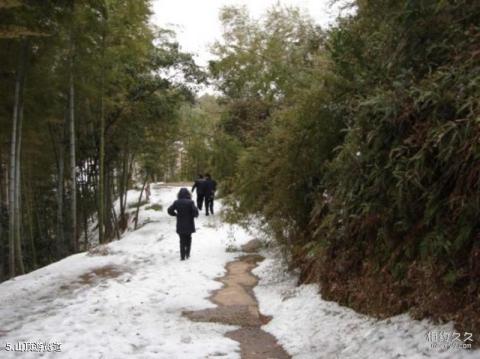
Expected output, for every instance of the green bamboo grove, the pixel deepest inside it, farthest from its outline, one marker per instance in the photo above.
(82, 100)
(358, 146)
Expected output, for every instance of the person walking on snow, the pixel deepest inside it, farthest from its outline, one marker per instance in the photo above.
(186, 212)
(210, 188)
(200, 186)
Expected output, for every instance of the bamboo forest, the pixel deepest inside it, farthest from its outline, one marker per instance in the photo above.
(319, 161)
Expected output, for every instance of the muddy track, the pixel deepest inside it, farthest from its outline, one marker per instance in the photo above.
(237, 305)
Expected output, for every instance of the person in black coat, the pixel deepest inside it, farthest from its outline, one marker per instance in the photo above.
(185, 211)
(200, 186)
(210, 188)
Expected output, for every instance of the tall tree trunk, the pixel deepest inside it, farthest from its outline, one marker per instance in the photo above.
(60, 187)
(101, 177)
(58, 149)
(101, 180)
(121, 186)
(73, 166)
(108, 205)
(12, 196)
(2, 209)
(11, 181)
(86, 176)
(140, 201)
(124, 179)
(128, 177)
(85, 225)
(115, 222)
(18, 191)
(42, 234)
(29, 212)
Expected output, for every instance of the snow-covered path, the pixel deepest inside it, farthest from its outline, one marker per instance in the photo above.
(127, 301)
(138, 312)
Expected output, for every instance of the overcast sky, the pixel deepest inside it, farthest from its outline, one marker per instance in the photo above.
(197, 26)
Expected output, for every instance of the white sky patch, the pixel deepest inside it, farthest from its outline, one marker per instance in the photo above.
(197, 24)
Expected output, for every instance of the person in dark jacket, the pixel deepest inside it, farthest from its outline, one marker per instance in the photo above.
(210, 188)
(200, 186)
(185, 211)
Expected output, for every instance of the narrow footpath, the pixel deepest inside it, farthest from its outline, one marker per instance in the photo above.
(237, 305)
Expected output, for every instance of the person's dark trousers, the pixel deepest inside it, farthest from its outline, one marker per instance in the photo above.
(185, 245)
(200, 198)
(209, 205)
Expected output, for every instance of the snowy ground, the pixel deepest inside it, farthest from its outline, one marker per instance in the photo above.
(137, 313)
(309, 327)
(126, 301)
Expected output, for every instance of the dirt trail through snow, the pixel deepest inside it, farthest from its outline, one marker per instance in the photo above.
(237, 305)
